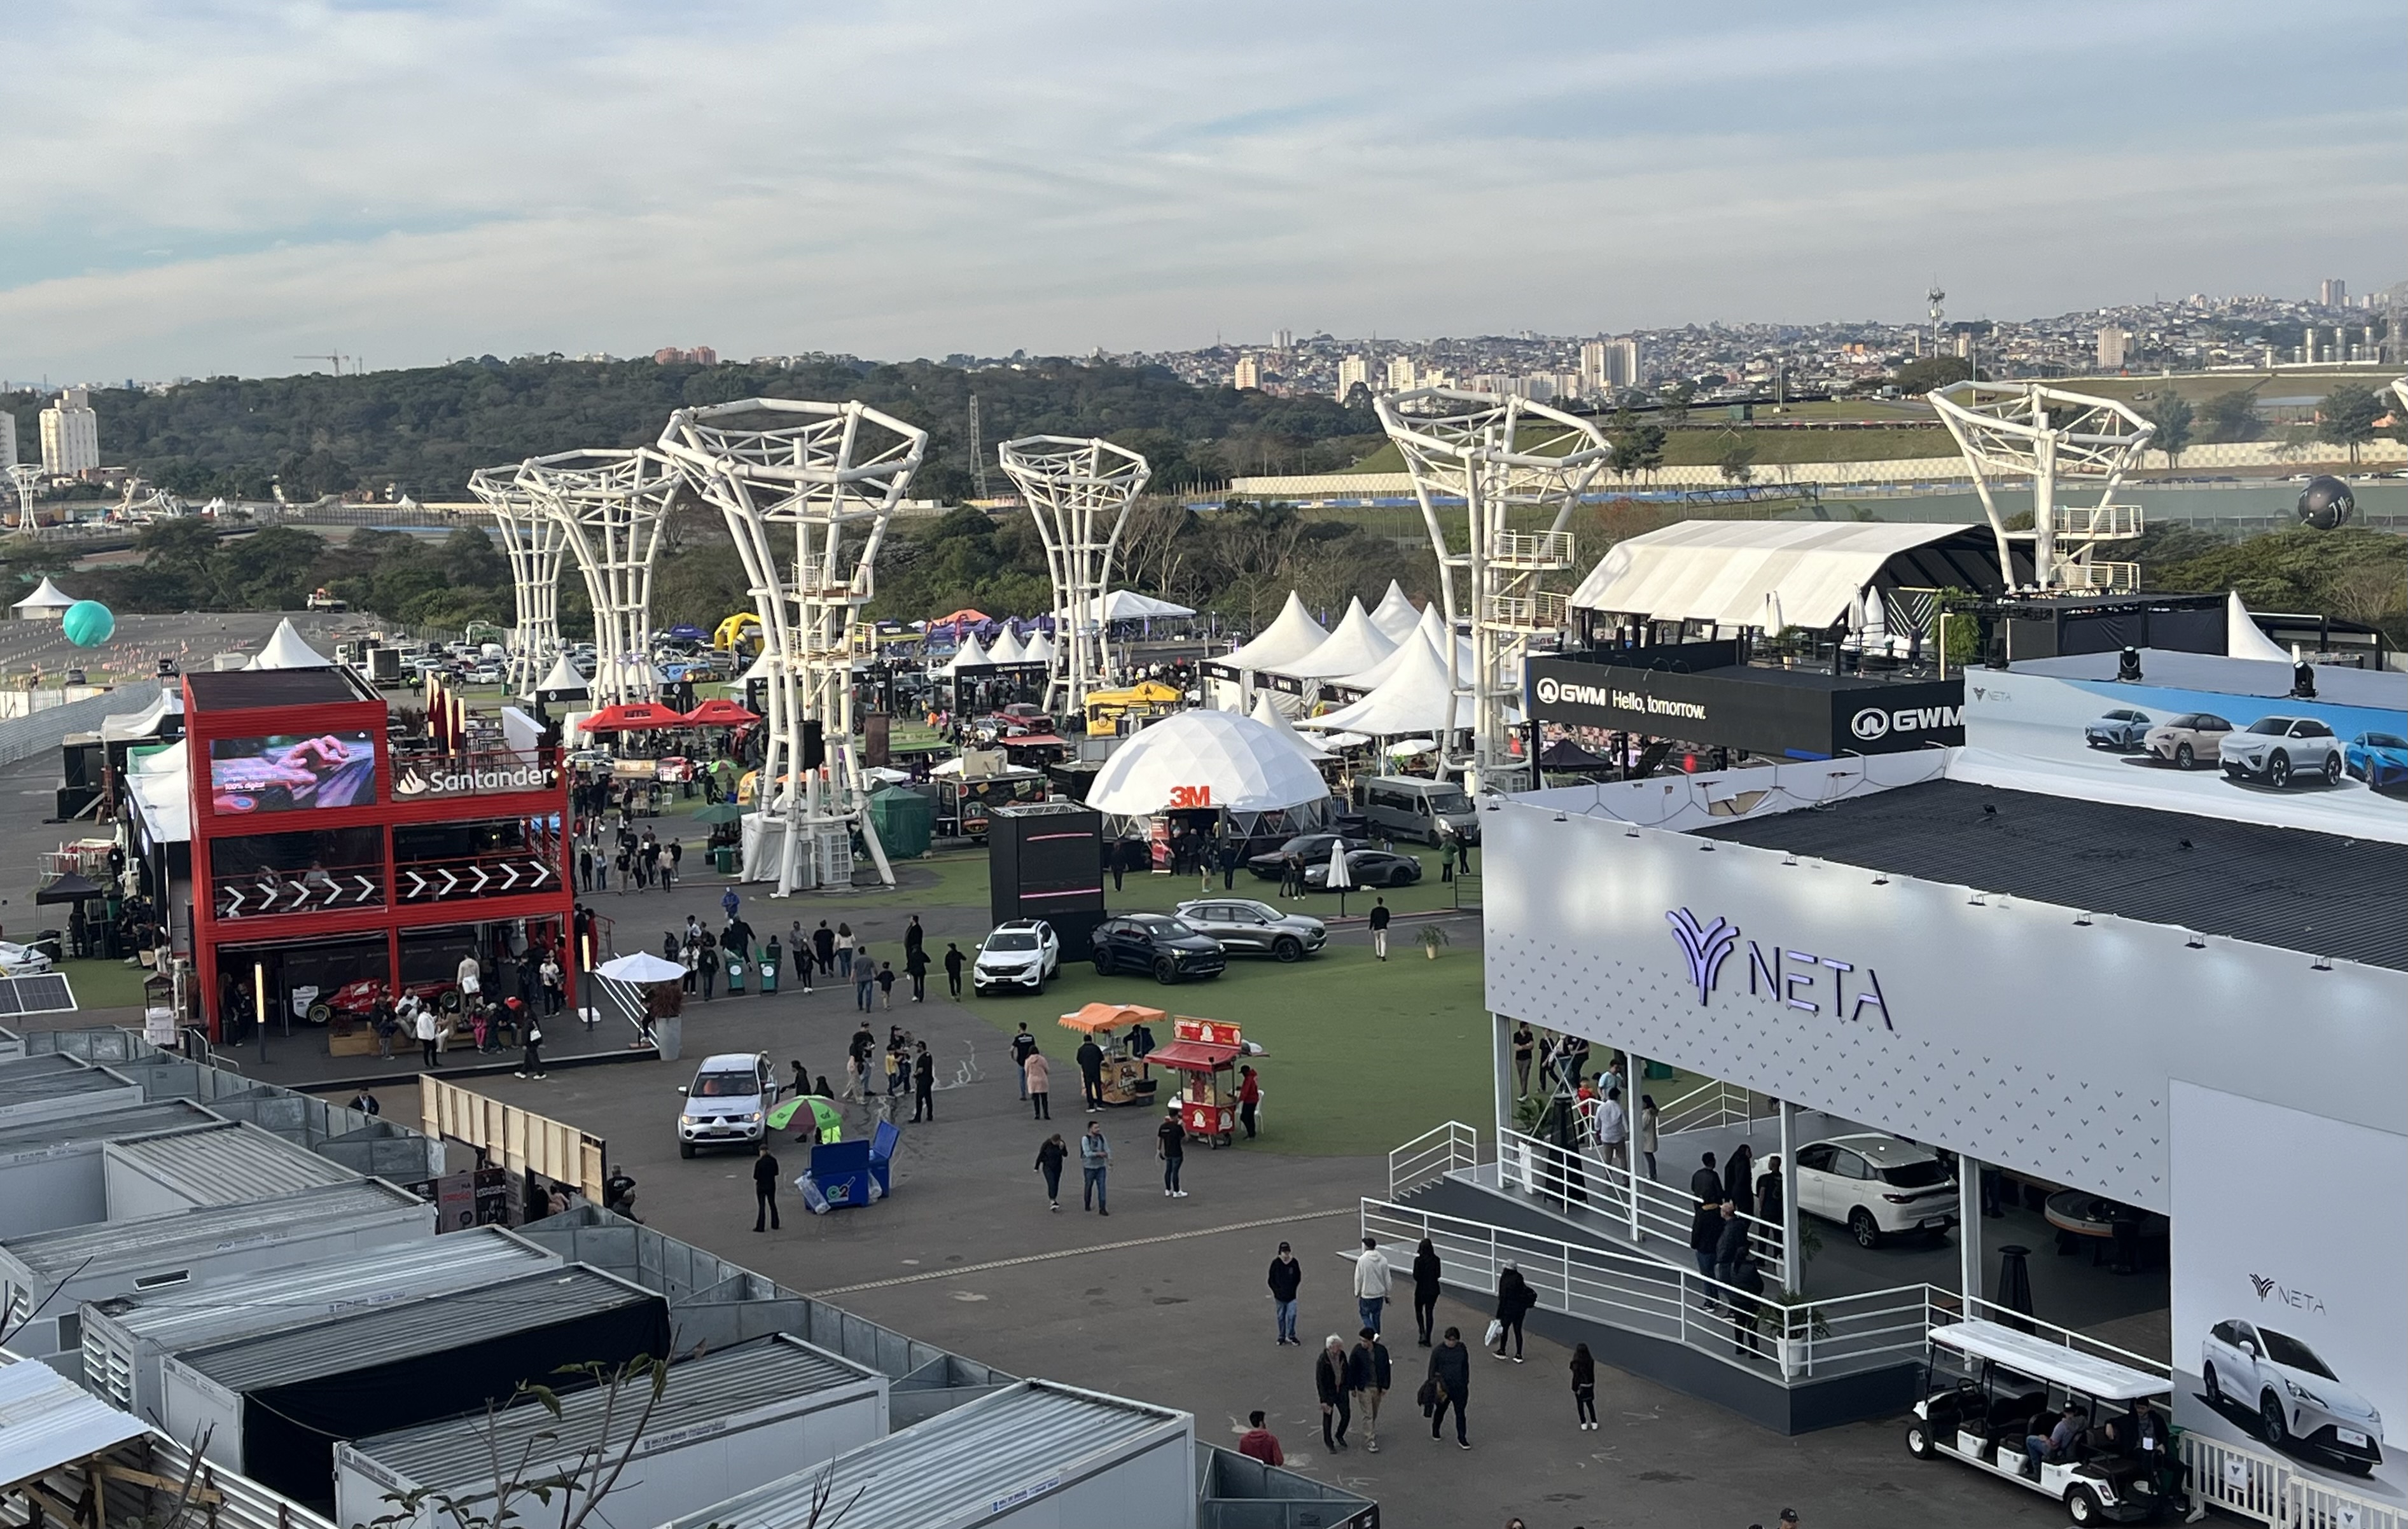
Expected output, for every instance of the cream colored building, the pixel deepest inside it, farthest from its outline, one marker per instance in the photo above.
(1246, 375)
(70, 435)
(1352, 372)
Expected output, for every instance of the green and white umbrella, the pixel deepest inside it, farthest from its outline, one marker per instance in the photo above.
(825, 1118)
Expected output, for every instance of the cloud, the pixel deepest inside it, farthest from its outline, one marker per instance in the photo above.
(416, 182)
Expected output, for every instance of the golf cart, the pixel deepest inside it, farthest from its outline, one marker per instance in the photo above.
(1990, 1387)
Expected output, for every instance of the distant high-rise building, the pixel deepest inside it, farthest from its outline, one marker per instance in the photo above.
(1285, 339)
(1964, 345)
(1400, 374)
(2114, 344)
(701, 355)
(1246, 375)
(1353, 372)
(70, 435)
(1608, 365)
(2332, 291)
(8, 440)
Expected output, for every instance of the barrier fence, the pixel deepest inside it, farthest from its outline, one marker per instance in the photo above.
(517, 1139)
(2252, 1484)
(1432, 1155)
(1569, 1179)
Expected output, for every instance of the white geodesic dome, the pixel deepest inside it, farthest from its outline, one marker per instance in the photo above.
(1246, 766)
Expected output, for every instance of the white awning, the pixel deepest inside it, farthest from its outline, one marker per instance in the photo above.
(289, 650)
(1749, 573)
(160, 787)
(1285, 641)
(46, 597)
(1395, 614)
(1353, 647)
(2028, 1354)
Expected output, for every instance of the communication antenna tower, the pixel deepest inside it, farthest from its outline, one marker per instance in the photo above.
(610, 506)
(1932, 299)
(1501, 459)
(1079, 493)
(977, 452)
(2050, 436)
(807, 490)
(534, 539)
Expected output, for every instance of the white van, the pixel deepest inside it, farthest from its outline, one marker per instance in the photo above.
(1406, 807)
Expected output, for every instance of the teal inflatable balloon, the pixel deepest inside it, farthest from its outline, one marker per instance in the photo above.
(88, 623)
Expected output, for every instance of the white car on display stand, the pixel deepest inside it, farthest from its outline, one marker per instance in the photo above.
(2282, 749)
(2289, 1397)
(1021, 956)
(1876, 1186)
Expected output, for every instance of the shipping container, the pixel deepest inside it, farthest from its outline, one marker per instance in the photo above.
(274, 1407)
(125, 1340)
(226, 1163)
(1039, 1454)
(37, 1088)
(50, 1170)
(726, 1421)
(47, 1277)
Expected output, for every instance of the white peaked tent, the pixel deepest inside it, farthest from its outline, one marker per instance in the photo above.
(1276, 719)
(1432, 630)
(1245, 767)
(1285, 642)
(1007, 648)
(563, 679)
(763, 667)
(48, 603)
(1412, 699)
(1354, 646)
(1394, 615)
(2243, 637)
(969, 655)
(1130, 606)
(287, 649)
(1040, 650)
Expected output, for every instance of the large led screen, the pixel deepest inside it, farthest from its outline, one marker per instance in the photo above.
(293, 772)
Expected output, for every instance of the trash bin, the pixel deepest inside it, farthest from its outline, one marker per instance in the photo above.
(769, 976)
(736, 965)
(724, 859)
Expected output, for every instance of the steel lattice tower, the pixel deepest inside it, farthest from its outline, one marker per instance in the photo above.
(807, 490)
(610, 506)
(1506, 459)
(1079, 493)
(534, 540)
(2025, 430)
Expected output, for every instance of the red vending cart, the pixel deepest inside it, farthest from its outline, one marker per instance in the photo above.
(1204, 1053)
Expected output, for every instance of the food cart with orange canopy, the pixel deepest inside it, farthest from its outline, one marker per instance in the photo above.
(1204, 1053)
(1125, 1076)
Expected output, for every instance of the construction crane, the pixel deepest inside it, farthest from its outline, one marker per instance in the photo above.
(336, 361)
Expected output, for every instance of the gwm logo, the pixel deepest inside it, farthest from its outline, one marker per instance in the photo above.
(1873, 722)
(1549, 691)
(2298, 1300)
(1792, 978)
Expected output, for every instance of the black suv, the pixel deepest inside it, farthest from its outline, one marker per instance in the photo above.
(1313, 849)
(1158, 943)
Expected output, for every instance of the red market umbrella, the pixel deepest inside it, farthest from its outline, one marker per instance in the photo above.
(720, 712)
(634, 717)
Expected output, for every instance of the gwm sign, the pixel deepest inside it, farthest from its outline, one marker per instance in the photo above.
(1799, 979)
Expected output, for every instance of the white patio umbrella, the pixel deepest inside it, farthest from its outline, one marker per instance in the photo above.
(1339, 880)
(641, 969)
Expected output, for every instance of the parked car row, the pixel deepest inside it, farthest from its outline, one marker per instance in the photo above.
(1021, 955)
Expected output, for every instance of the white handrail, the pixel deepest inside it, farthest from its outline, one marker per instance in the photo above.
(1662, 1211)
(1432, 1155)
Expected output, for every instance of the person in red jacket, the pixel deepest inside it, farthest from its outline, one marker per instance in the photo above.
(1258, 1442)
(1250, 1096)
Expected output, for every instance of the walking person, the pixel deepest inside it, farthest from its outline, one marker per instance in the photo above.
(1170, 1145)
(1051, 1155)
(1036, 1077)
(1329, 1384)
(677, 858)
(1731, 1243)
(1647, 1135)
(1380, 916)
(824, 948)
(1250, 1099)
(706, 965)
(1585, 1387)
(1024, 1046)
(764, 1190)
(1514, 1298)
(1426, 1287)
(914, 937)
(1368, 1375)
(1091, 1071)
(1287, 1277)
(799, 943)
(954, 969)
(531, 1065)
(844, 946)
(1371, 1277)
(1614, 1130)
(552, 978)
(863, 979)
(886, 985)
(923, 1082)
(1739, 1180)
(1450, 1385)
(915, 965)
(1095, 1163)
(430, 1035)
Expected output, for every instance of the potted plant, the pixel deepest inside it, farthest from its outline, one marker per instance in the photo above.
(1432, 935)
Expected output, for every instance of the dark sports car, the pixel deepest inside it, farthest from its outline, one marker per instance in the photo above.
(1366, 868)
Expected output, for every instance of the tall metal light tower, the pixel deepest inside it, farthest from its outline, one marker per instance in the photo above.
(24, 477)
(1932, 299)
(2048, 435)
(1506, 461)
(610, 506)
(533, 539)
(1079, 490)
(807, 489)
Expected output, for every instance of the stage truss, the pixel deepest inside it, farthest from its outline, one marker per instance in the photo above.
(2010, 430)
(1079, 492)
(611, 506)
(807, 490)
(1512, 464)
(534, 540)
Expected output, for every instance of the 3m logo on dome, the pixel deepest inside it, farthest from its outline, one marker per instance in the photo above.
(1189, 796)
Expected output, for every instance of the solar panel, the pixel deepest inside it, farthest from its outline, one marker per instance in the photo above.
(44, 993)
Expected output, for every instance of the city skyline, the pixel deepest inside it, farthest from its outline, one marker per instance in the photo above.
(414, 182)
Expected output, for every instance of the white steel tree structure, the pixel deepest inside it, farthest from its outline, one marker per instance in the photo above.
(807, 490)
(25, 476)
(534, 539)
(1512, 464)
(1079, 492)
(2050, 436)
(610, 505)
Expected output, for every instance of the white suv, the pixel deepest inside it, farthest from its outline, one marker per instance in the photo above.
(1021, 955)
(2281, 750)
(1876, 1186)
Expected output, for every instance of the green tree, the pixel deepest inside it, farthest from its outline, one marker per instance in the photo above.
(2171, 412)
(2348, 416)
(470, 558)
(2231, 416)
(1738, 465)
(1677, 399)
(269, 570)
(182, 545)
(1926, 373)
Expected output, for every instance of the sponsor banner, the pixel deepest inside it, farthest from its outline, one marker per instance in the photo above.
(290, 772)
(476, 776)
(1776, 712)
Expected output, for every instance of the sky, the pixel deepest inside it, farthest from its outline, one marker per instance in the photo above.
(200, 188)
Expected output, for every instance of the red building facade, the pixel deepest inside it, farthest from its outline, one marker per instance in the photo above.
(331, 860)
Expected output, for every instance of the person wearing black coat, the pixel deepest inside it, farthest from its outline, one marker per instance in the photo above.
(1731, 1245)
(1767, 1191)
(1426, 1276)
(1514, 1298)
(1329, 1384)
(1450, 1384)
(1738, 1179)
(1368, 1376)
(1706, 1222)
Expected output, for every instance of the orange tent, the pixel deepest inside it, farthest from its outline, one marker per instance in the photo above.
(964, 617)
(633, 716)
(720, 712)
(1096, 1017)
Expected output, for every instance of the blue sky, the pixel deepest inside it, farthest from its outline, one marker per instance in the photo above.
(201, 188)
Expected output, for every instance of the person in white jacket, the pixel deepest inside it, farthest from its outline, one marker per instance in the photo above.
(1371, 1276)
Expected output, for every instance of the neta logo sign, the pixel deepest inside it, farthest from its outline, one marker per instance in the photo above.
(1794, 978)
(2298, 1300)
(1874, 722)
